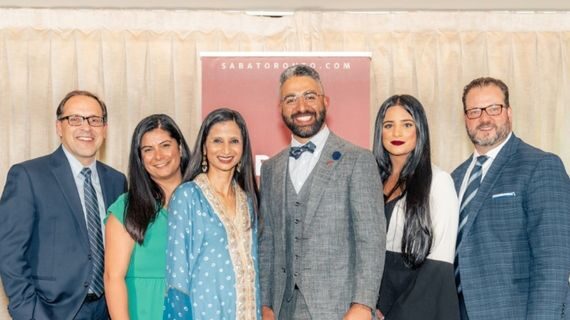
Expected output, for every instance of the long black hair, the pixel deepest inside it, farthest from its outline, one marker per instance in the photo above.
(414, 180)
(244, 174)
(145, 197)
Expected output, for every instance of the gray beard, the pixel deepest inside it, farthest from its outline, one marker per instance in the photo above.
(501, 134)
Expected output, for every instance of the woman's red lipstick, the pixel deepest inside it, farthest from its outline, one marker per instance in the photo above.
(397, 142)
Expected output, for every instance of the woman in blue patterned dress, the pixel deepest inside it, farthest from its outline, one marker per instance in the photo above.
(212, 227)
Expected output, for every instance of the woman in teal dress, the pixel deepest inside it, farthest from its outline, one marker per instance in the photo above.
(136, 225)
(212, 240)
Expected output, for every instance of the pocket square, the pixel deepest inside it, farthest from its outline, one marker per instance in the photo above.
(505, 194)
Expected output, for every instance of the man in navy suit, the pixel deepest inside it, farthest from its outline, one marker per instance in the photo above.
(47, 259)
(513, 245)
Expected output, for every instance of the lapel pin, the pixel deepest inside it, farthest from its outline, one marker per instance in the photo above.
(335, 156)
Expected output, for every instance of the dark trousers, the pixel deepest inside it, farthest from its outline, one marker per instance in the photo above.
(462, 310)
(93, 310)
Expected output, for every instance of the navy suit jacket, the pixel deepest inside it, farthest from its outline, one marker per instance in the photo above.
(44, 253)
(514, 258)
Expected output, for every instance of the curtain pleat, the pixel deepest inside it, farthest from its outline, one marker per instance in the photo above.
(148, 61)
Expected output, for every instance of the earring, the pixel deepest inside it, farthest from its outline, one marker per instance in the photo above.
(204, 164)
(238, 169)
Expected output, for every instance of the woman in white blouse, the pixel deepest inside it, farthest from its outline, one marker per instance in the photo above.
(421, 211)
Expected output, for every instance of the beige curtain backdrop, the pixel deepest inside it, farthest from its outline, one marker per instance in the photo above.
(144, 62)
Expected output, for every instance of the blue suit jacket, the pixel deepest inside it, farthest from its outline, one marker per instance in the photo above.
(44, 251)
(514, 258)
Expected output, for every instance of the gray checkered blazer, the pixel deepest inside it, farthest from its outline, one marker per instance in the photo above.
(344, 234)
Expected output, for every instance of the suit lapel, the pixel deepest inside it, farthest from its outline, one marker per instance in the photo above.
(459, 173)
(280, 183)
(489, 181)
(102, 173)
(324, 173)
(64, 177)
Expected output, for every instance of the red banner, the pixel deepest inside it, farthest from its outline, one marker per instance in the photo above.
(249, 83)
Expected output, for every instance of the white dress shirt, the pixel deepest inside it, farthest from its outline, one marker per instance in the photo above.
(76, 168)
(492, 154)
(299, 169)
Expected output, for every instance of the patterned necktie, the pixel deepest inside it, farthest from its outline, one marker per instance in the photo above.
(95, 234)
(472, 187)
(296, 152)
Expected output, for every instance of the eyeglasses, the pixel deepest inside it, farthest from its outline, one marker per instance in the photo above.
(492, 110)
(309, 97)
(77, 120)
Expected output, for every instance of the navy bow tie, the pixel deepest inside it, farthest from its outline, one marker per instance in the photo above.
(296, 152)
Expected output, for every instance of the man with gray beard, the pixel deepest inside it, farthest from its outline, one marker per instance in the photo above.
(513, 245)
(323, 236)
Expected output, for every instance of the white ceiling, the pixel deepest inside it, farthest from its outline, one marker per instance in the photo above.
(298, 5)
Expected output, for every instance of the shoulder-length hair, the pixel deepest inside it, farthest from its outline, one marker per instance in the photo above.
(244, 174)
(145, 197)
(414, 180)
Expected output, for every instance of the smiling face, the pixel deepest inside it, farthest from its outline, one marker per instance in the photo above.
(487, 132)
(399, 132)
(82, 141)
(160, 155)
(223, 147)
(304, 117)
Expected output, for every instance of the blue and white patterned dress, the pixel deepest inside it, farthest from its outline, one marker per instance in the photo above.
(211, 267)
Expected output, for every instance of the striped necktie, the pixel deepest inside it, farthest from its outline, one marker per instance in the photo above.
(94, 231)
(472, 187)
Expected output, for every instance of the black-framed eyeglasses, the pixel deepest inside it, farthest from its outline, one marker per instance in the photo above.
(492, 110)
(310, 98)
(77, 120)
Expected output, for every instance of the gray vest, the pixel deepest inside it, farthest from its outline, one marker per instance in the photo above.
(294, 225)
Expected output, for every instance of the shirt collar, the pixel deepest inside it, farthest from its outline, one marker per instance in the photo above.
(492, 154)
(318, 139)
(77, 166)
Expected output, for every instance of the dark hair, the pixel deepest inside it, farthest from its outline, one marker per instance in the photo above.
(484, 82)
(245, 176)
(145, 196)
(300, 70)
(414, 180)
(59, 111)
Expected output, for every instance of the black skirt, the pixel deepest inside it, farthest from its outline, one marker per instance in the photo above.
(427, 292)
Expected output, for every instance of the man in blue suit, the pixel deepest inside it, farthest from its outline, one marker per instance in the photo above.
(513, 245)
(51, 251)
